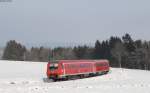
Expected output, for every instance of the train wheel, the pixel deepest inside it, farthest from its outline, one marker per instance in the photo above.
(82, 76)
(92, 75)
(66, 78)
(106, 72)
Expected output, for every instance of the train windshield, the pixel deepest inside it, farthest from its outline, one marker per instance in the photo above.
(53, 66)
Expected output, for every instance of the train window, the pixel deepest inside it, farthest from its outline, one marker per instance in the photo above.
(53, 66)
(84, 65)
(71, 66)
(101, 64)
(98, 64)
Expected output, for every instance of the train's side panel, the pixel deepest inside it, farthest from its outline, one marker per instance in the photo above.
(70, 68)
(86, 67)
(78, 68)
(102, 66)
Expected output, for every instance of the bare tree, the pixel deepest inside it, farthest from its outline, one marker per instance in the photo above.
(118, 52)
(146, 50)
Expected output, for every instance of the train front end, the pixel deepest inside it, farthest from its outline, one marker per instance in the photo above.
(52, 70)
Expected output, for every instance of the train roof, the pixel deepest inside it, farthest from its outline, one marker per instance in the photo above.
(62, 61)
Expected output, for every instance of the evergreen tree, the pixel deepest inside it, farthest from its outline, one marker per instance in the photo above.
(80, 52)
(97, 50)
(129, 43)
(14, 51)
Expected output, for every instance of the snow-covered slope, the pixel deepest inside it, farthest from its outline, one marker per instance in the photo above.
(27, 77)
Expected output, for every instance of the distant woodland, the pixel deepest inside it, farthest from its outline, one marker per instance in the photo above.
(121, 52)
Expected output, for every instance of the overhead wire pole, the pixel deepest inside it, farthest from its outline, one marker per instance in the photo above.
(52, 56)
(49, 55)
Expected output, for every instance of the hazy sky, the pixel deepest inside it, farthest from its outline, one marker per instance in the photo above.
(72, 21)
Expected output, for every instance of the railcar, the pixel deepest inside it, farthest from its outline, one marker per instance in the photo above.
(66, 69)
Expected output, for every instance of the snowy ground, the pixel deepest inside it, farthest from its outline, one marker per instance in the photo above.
(27, 77)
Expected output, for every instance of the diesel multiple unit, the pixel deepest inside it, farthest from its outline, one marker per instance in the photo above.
(65, 69)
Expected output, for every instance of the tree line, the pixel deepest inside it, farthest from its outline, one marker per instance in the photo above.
(121, 52)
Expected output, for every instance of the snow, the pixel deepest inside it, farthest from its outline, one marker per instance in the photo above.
(27, 77)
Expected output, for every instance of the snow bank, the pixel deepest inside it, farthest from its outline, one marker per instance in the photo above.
(20, 69)
(27, 77)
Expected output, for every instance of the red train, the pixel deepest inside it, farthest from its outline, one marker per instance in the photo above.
(65, 69)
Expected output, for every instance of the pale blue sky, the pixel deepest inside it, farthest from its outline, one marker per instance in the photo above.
(37, 22)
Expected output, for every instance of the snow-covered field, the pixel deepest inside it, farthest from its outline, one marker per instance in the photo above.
(27, 77)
